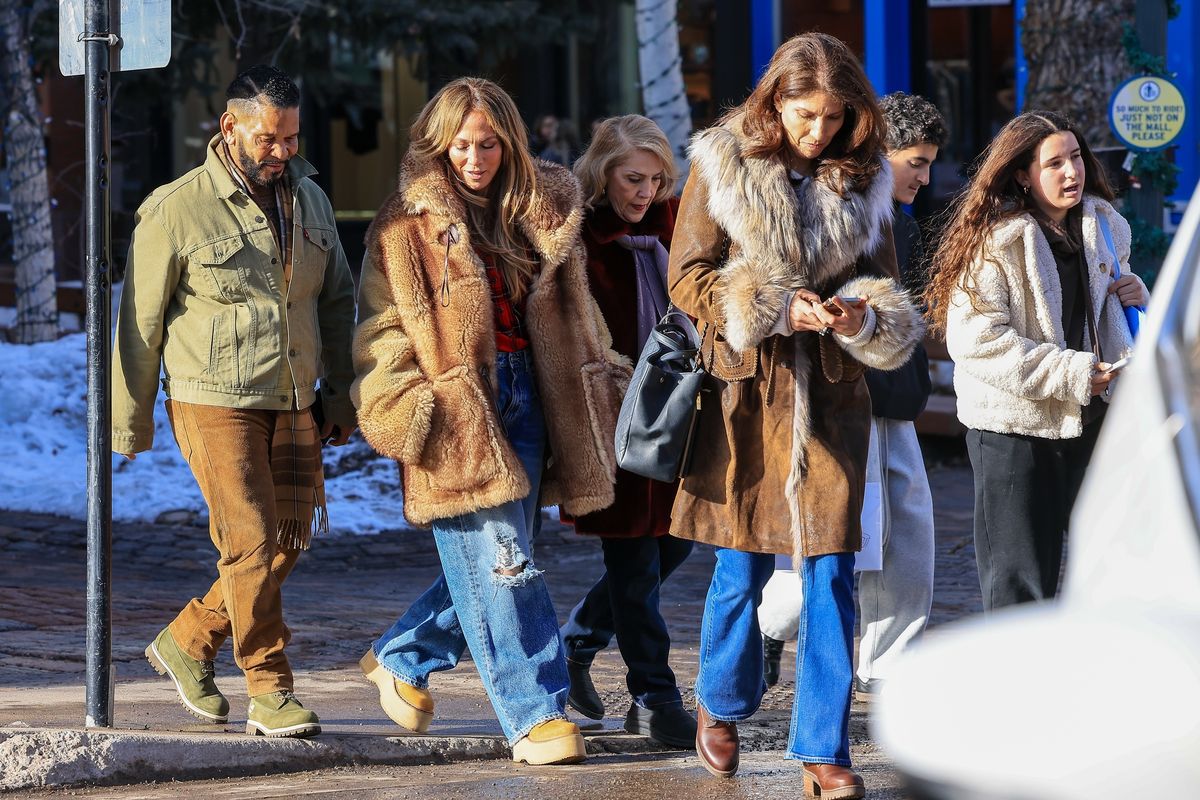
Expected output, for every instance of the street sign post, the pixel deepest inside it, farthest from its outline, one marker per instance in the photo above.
(1147, 113)
(143, 28)
(92, 43)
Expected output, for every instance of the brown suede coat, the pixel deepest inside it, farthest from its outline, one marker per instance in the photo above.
(426, 365)
(780, 455)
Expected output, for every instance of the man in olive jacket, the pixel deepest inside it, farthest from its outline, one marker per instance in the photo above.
(238, 291)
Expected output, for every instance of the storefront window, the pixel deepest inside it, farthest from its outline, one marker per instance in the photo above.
(696, 21)
(970, 76)
(840, 18)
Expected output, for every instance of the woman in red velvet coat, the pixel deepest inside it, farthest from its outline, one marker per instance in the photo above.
(628, 177)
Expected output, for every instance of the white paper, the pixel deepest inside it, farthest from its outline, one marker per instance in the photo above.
(870, 558)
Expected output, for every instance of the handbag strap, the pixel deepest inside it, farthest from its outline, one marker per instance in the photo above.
(1108, 241)
(680, 340)
(688, 326)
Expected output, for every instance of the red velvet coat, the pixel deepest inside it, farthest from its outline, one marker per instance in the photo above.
(642, 506)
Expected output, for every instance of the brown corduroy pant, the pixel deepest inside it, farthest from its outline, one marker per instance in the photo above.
(229, 451)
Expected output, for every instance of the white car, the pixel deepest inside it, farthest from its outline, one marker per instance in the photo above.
(1097, 694)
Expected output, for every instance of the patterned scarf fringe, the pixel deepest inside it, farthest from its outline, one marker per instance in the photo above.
(299, 480)
(295, 535)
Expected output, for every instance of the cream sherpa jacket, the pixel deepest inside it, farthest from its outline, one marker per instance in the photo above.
(1013, 372)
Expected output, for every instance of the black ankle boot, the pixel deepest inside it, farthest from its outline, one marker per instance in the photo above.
(772, 655)
(583, 696)
(671, 725)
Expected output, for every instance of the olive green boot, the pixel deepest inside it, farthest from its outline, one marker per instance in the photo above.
(193, 679)
(280, 714)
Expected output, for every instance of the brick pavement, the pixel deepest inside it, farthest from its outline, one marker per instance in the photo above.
(343, 594)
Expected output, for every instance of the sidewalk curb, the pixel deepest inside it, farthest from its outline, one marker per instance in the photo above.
(40, 757)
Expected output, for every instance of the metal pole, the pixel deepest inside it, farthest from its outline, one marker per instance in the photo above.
(99, 329)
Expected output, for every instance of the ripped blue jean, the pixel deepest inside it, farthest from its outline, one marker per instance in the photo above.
(490, 596)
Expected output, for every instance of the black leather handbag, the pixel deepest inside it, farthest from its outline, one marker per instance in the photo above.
(659, 412)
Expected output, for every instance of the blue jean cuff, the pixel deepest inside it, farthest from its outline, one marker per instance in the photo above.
(400, 676)
(727, 717)
(525, 731)
(838, 762)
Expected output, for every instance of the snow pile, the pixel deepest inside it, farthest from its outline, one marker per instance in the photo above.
(43, 423)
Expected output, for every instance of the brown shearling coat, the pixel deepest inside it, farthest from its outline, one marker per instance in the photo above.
(779, 459)
(426, 365)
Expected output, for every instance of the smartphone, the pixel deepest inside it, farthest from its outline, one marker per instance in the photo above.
(1118, 365)
(832, 309)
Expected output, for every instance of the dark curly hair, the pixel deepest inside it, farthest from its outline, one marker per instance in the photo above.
(912, 120)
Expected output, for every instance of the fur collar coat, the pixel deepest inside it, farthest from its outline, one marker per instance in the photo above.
(1013, 372)
(779, 459)
(425, 356)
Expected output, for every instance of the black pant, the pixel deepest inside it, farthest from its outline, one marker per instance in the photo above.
(1025, 488)
(625, 602)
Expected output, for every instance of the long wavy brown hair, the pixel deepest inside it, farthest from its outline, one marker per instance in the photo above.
(818, 62)
(992, 197)
(493, 216)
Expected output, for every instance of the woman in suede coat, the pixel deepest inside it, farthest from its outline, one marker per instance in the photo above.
(628, 176)
(783, 253)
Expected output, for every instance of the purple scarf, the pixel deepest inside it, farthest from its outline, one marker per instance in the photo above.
(650, 257)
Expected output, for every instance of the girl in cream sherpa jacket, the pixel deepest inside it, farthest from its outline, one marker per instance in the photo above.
(1012, 370)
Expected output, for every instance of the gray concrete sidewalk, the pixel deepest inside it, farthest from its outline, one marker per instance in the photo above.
(343, 594)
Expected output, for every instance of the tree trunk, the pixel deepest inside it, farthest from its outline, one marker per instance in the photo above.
(661, 68)
(1076, 60)
(25, 150)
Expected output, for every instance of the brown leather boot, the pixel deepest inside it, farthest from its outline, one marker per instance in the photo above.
(716, 744)
(831, 782)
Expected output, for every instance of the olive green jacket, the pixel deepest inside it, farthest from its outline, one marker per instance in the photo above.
(205, 300)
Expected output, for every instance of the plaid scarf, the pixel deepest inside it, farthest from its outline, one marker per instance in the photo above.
(274, 200)
(295, 445)
(299, 479)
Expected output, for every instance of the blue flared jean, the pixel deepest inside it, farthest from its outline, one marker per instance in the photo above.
(490, 596)
(730, 682)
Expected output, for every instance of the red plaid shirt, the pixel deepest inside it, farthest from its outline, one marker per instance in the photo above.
(510, 331)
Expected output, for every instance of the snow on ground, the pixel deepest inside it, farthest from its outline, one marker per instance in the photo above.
(43, 423)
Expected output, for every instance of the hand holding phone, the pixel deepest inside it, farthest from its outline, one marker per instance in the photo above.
(833, 308)
(1118, 365)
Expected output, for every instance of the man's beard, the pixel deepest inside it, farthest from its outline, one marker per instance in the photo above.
(255, 171)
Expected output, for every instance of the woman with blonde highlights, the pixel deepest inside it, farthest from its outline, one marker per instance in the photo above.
(1022, 285)
(481, 357)
(783, 252)
(628, 176)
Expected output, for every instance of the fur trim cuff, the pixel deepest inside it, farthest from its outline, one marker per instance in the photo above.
(752, 292)
(898, 324)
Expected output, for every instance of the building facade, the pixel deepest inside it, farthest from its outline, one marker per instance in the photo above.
(964, 55)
